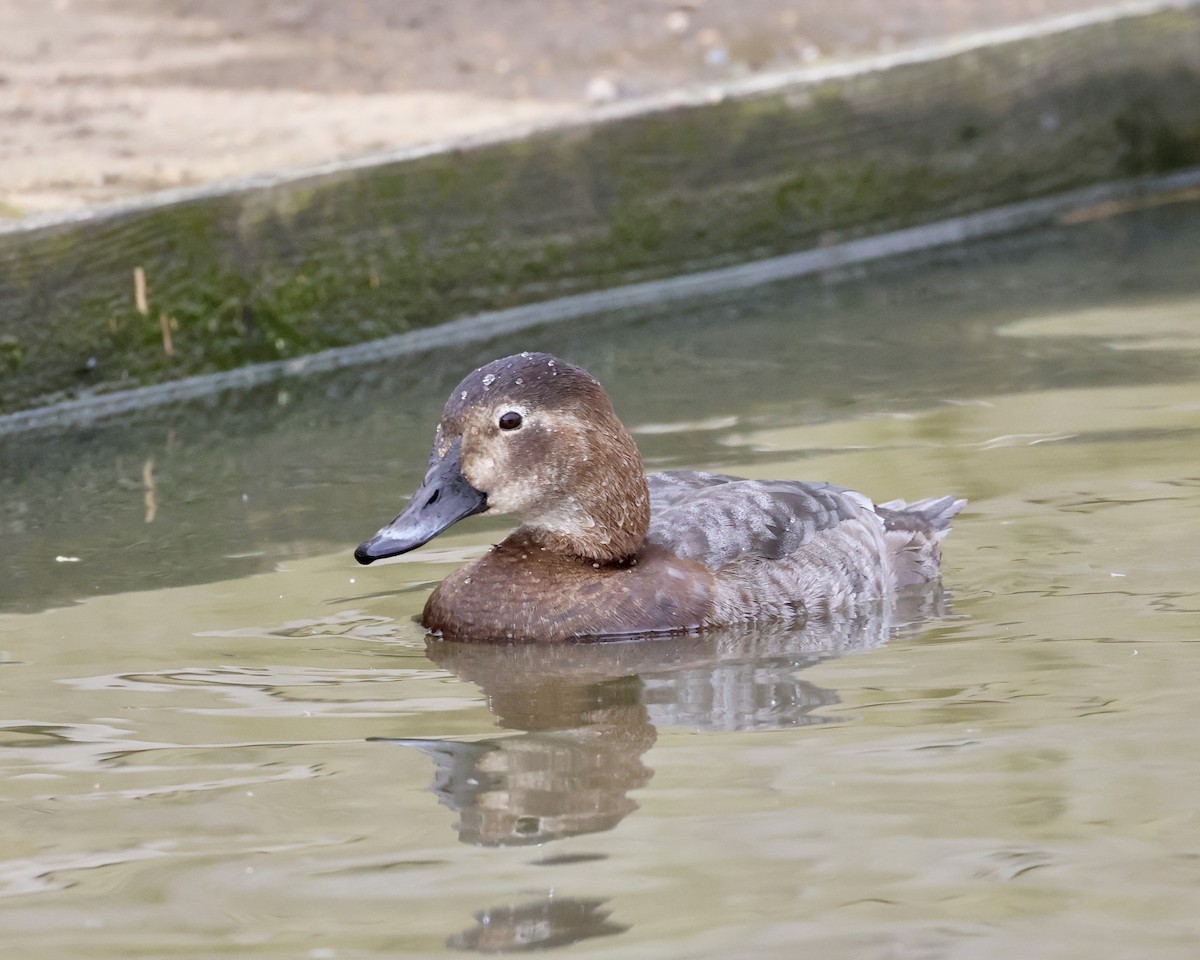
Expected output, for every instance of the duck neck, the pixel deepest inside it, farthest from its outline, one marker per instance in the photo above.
(606, 514)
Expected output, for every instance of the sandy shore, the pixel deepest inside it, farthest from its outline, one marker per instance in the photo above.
(102, 100)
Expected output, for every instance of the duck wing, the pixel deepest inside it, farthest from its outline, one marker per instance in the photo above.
(716, 519)
(672, 486)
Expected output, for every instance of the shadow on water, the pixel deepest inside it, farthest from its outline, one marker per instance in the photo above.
(590, 712)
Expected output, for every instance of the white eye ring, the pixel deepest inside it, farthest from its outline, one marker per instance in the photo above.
(510, 420)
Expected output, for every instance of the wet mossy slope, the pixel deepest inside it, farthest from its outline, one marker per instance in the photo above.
(343, 258)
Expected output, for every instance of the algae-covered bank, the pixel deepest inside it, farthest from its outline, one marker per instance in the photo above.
(219, 279)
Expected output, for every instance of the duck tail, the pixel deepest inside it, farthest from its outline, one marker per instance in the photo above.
(933, 512)
(914, 532)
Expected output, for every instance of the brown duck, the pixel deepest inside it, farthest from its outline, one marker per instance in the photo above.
(603, 550)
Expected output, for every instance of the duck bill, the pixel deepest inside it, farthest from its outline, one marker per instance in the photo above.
(444, 498)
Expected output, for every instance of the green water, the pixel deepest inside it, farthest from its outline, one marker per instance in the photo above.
(220, 737)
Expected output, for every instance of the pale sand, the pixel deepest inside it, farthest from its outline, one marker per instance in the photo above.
(103, 100)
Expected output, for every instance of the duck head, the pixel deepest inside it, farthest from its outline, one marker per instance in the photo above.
(537, 438)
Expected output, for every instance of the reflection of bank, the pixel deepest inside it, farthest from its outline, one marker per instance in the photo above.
(591, 711)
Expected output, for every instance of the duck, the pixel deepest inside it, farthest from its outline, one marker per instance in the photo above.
(602, 550)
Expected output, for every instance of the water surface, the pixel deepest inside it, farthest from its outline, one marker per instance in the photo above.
(219, 736)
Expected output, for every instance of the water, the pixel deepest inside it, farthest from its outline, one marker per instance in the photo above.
(221, 737)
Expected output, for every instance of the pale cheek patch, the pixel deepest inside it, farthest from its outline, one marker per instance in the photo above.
(512, 497)
(498, 462)
(480, 472)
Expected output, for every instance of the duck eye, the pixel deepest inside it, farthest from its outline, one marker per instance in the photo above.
(510, 420)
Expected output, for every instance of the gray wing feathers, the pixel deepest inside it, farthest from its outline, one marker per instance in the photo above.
(833, 548)
(671, 486)
(716, 519)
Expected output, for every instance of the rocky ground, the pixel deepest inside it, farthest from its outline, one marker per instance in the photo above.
(102, 100)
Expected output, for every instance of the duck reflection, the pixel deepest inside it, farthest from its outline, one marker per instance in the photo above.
(569, 774)
(539, 925)
(590, 712)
